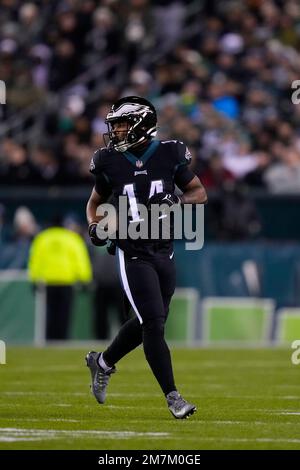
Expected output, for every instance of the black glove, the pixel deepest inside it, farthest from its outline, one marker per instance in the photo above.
(164, 198)
(165, 216)
(111, 248)
(93, 235)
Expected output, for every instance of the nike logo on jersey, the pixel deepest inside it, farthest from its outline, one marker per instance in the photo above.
(171, 256)
(143, 172)
(167, 198)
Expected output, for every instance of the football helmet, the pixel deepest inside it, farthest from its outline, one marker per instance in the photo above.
(141, 119)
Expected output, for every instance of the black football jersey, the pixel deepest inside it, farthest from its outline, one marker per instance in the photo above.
(161, 166)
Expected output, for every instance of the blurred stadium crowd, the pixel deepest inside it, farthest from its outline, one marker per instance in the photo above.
(219, 72)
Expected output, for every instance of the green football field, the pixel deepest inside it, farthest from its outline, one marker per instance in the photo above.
(246, 399)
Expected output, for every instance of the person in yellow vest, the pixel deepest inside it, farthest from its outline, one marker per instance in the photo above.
(59, 259)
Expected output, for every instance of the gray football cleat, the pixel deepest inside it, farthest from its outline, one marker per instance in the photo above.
(100, 378)
(179, 407)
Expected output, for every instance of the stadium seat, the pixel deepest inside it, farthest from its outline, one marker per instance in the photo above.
(288, 325)
(237, 320)
(181, 323)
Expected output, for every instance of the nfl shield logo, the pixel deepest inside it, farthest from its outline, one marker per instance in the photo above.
(139, 164)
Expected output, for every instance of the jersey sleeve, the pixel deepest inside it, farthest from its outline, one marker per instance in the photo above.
(183, 175)
(102, 185)
(95, 165)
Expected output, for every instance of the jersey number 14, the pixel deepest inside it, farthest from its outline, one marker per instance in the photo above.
(156, 187)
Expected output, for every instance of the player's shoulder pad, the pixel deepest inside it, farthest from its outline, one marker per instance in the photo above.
(181, 151)
(98, 159)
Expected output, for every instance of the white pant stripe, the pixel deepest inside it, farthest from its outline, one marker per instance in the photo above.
(125, 283)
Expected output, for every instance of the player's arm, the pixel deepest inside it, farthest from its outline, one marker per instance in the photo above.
(92, 205)
(194, 192)
(101, 189)
(186, 180)
(91, 214)
(99, 195)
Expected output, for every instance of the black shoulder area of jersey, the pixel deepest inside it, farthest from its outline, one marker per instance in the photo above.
(99, 159)
(184, 155)
(179, 151)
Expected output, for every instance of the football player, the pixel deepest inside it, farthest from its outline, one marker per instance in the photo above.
(136, 165)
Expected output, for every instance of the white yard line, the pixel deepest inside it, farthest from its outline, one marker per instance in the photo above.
(217, 439)
(23, 434)
(16, 439)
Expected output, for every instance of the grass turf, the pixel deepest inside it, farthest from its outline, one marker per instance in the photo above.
(246, 399)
